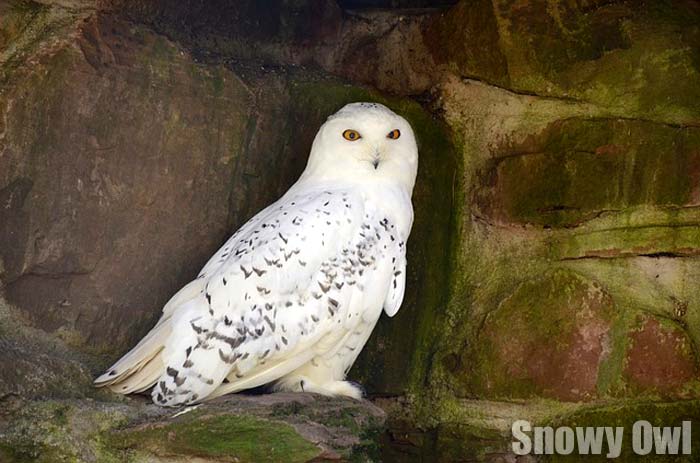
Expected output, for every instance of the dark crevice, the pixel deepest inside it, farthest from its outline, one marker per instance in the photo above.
(664, 254)
(631, 255)
(557, 208)
(395, 4)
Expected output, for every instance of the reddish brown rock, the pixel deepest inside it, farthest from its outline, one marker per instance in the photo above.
(465, 39)
(121, 162)
(549, 338)
(660, 358)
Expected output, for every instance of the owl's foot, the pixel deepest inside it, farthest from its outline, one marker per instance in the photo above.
(344, 388)
(329, 388)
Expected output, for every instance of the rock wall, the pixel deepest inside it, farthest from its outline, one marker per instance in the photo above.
(554, 257)
(580, 225)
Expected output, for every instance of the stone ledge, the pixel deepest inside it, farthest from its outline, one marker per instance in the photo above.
(281, 427)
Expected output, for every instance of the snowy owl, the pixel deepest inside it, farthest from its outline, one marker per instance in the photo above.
(292, 297)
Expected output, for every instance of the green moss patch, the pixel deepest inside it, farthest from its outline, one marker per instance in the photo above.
(579, 167)
(225, 438)
(638, 61)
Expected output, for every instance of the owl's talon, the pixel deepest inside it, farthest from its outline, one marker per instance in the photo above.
(360, 387)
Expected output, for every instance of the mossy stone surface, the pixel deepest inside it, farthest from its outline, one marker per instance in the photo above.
(220, 438)
(547, 339)
(568, 167)
(633, 59)
(33, 365)
(579, 167)
(626, 414)
(275, 428)
(660, 358)
(485, 435)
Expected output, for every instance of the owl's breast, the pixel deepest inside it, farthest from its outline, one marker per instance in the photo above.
(391, 202)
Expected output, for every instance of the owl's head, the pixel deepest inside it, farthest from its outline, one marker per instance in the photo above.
(364, 142)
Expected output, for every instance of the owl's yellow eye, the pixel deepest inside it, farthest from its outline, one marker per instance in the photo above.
(351, 135)
(394, 134)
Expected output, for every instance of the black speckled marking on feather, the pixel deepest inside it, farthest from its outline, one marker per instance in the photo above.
(246, 272)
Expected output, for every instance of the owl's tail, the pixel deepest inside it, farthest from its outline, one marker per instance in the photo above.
(140, 368)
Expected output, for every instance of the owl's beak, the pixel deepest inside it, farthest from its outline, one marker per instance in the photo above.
(376, 158)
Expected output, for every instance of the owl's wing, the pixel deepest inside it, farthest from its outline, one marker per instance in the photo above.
(394, 297)
(275, 290)
(288, 288)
